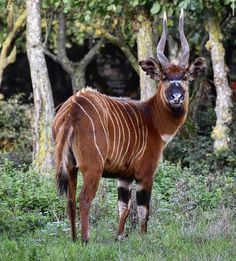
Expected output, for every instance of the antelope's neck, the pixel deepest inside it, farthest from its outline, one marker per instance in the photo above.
(166, 120)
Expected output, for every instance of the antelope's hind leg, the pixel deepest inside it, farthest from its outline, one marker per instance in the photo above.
(90, 184)
(124, 202)
(71, 201)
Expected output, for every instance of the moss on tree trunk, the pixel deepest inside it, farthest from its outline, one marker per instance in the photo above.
(223, 109)
(8, 50)
(43, 101)
(145, 50)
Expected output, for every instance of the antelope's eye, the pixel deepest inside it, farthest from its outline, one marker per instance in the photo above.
(184, 78)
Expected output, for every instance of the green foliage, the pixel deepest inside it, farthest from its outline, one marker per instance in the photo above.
(34, 226)
(27, 200)
(182, 190)
(15, 129)
(207, 179)
(202, 236)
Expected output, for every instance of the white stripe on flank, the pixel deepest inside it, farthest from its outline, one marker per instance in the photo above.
(61, 113)
(114, 128)
(145, 142)
(137, 135)
(144, 136)
(118, 162)
(104, 107)
(94, 131)
(117, 148)
(127, 144)
(99, 118)
(135, 132)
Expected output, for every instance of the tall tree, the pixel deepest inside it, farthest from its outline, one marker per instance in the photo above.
(43, 101)
(8, 47)
(223, 109)
(145, 49)
(212, 13)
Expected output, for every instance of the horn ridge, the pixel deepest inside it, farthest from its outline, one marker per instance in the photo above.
(161, 45)
(183, 62)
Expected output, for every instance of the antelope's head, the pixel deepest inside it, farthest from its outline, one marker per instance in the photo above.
(174, 78)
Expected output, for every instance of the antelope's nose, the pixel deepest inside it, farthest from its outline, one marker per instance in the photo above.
(177, 97)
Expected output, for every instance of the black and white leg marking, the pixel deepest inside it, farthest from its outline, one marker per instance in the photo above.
(124, 203)
(143, 201)
(124, 195)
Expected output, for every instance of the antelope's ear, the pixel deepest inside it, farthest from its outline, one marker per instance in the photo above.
(151, 67)
(196, 67)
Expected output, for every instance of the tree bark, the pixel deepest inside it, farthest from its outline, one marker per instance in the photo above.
(43, 100)
(223, 109)
(145, 50)
(174, 50)
(8, 51)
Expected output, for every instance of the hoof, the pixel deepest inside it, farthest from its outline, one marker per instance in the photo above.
(85, 241)
(119, 237)
(74, 240)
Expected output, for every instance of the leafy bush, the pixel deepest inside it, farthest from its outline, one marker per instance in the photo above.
(15, 130)
(27, 200)
(178, 189)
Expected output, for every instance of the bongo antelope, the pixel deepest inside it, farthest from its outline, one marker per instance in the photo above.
(121, 138)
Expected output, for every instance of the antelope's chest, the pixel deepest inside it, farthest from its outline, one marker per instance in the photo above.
(167, 138)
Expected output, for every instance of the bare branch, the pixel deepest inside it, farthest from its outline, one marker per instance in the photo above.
(61, 39)
(48, 29)
(67, 65)
(90, 55)
(119, 43)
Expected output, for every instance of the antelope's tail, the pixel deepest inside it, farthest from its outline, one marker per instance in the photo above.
(63, 157)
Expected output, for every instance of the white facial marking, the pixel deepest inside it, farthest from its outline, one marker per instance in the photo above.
(142, 213)
(174, 81)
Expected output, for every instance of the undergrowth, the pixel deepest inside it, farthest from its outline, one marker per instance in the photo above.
(190, 219)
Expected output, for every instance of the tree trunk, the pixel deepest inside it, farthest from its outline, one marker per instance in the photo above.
(43, 101)
(174, 50)
(221, 131)
(147, 89)
(8, 51)
(145, 50)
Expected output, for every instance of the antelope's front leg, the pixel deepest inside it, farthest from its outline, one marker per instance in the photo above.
(143, 195)
(124, 202)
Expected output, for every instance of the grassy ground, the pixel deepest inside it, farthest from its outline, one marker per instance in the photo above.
(189, 220)
(202, 236)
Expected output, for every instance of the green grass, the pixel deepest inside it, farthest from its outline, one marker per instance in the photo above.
(203, 236)
(189, 220)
